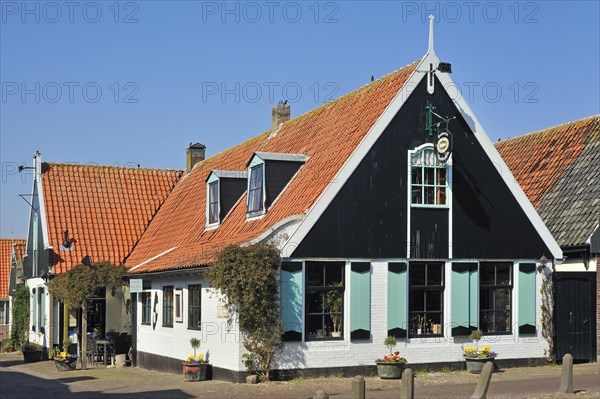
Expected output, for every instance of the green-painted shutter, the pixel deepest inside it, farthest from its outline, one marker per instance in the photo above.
(42, 310)
(526, 298)
(465, 289)
(397, 297)
(360, 300)
(34, 309)
(291, 300)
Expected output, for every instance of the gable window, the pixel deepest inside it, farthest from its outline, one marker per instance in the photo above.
(429, 183)
(146, 307)
(167, 306)
(194, 307)
(325, 300)
(255, 189)
(213, 202)
(426, 298)
(495, 297)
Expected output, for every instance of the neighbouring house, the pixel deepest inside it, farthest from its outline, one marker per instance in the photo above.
(83, 214)
(11, 251)
(559, 171)
(392, 197)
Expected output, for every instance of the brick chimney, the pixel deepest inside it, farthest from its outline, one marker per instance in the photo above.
(194, 154)
(281, 114)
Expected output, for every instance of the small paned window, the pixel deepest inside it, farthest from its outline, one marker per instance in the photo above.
(429, 182)
(168, 306)
(146, 307)
(495, 297)
(325, 300)
(426, 298)
(213, 202)
(194, 307)
(255, 189)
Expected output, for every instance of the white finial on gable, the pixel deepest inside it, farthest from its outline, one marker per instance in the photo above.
(430, 49)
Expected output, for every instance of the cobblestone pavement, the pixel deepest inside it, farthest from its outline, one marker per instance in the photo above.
(19, 380)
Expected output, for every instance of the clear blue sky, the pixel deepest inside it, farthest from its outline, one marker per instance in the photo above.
(174, 72)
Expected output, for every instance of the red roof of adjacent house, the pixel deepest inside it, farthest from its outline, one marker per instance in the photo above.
(559, 171)
(6, 252)
(327, 135)
(104, 208)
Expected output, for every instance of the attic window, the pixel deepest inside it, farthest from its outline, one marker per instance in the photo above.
(428, 177)
(255, 189)
(213, 202)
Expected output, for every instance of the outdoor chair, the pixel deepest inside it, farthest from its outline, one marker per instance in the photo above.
(92, 351)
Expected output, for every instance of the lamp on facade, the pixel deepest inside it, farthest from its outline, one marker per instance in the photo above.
(542, 262)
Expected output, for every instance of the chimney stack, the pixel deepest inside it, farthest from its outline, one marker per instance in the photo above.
(194, 154)
(281, 114)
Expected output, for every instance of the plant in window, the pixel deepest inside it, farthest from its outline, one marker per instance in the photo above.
(418, 321)
(333, 304)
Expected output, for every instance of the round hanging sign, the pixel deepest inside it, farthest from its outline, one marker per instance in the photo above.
(443, 146)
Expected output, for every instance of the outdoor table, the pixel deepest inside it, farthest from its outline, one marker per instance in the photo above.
(107, 345)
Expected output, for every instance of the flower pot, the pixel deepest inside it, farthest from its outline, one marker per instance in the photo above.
(32, 356)
(475, 365)
(65, 365)
(336, 334)
(390, 370)
(195, 372)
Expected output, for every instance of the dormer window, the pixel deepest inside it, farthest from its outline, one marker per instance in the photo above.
(223, 189)
(213, 202)
(255, 189)
(268, 174)
(428, 177)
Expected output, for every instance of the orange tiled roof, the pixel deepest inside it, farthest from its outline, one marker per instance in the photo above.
(559, 171)
(105, 209)
(328, 135)
(6, 250)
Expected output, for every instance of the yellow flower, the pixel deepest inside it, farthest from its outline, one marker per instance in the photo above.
(486, 348)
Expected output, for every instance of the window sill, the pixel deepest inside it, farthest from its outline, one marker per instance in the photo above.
(195, 328)
(431, 206)
(144, 324)
(411, 336)
(497, 333)
(167, 325)
(255, 215)
(211, 226)
(325, 339)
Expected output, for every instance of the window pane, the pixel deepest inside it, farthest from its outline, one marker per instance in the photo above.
(417, 177)
(486, 299)
(333, 275)
(429, 157)
(314, 327)
(434, 300)
(417, 274)
(416, 159)
(429, 197)
(440, 196)
(314, 274)
(255, 195)
(441, 176)
(213, 200)
(503, 275)
(434, 274)
(417, 195)
(315, 301)
(429, 176)
(417, 300)
(487, 274)
(502, 298)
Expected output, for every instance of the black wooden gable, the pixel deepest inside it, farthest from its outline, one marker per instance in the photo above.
(368, 217)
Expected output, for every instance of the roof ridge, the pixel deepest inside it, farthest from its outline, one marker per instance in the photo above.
(74, 164)
(548, 128)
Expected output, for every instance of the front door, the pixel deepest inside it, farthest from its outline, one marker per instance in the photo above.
(575, 317)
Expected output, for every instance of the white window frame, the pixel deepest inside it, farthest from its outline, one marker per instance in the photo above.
(262, 209)
(210, 182)
(437, 165)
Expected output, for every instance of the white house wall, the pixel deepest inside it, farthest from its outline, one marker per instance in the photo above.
(577, 265)
(323, 354)
(219, 339)
(37, 336)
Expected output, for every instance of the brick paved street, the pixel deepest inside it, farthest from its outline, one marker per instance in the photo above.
(19, 381)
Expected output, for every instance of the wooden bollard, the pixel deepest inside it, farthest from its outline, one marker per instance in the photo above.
(484, 381)
(566, 377)
(407, 386)
(358, 387)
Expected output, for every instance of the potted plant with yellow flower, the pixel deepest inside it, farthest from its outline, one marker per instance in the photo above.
(475, 358)
(64, 361)
(194, 367)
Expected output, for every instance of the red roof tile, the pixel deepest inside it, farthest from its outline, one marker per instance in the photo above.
(328, 135)
(6, 251)
(559, 171)
(105, 209)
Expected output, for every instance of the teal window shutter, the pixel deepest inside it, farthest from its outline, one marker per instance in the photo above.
(397, 313)
(465, 289)
(291, 300)
(360, 300)
(34, 309)
(527, 298)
